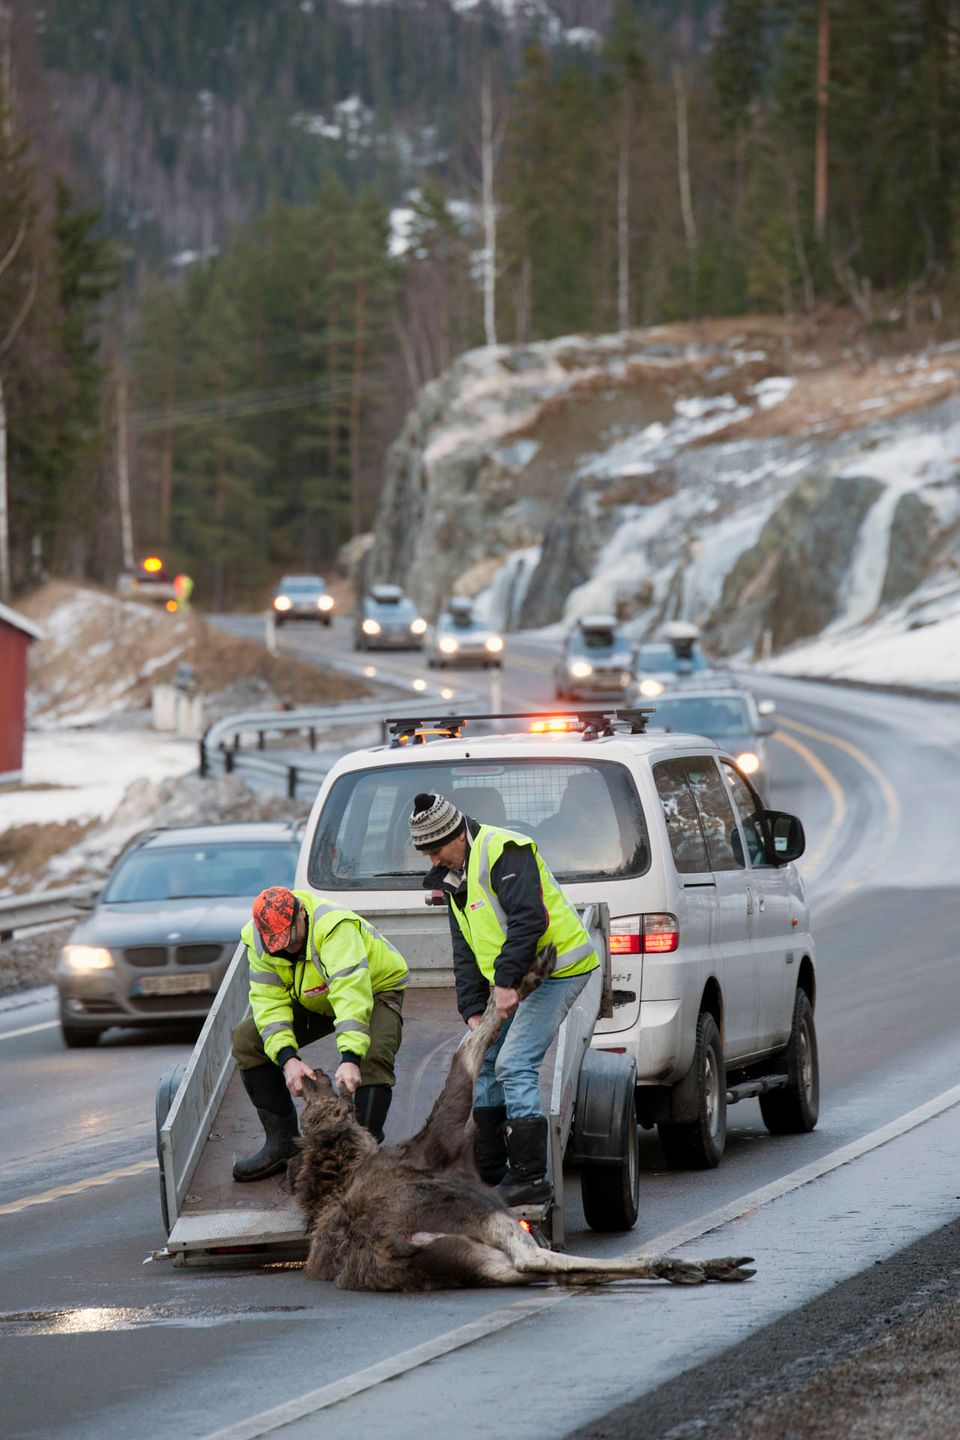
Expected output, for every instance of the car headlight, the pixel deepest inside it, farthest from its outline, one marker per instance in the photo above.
(325, 602)
(748, 762)
(418, 626)
(494, 644)
(448, 645)
(282, 602)
(371, 627)
(581, 669)
(651, 688)
(83, 958)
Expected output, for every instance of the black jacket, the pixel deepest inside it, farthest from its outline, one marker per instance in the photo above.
(515, 879)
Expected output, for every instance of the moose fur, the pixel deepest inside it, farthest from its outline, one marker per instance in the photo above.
(416, 1216)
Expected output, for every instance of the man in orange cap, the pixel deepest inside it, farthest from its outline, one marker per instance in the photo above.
(316, 969)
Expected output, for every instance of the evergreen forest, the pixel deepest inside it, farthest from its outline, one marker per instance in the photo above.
(293, 216)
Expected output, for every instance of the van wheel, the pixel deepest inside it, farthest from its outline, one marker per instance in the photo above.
(611, 1192)
(796, 1109)
(699, 1144)
(167, 1087)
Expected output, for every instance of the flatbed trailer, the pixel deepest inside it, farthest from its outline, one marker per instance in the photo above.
(205, 1120)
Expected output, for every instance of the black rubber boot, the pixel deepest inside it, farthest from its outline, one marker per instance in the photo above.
(268, 1090)
(526, 1181)
(371, 1103)
(491, 1147)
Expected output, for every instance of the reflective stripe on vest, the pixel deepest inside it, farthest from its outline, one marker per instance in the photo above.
(564, 927)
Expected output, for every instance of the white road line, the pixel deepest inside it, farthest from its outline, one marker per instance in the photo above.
(315, 1400)
(28, 1030)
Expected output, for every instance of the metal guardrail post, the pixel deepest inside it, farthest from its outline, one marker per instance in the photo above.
(228, 761)
(292, 782)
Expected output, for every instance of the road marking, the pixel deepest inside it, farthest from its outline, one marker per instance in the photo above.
(45, 1196)
(305, 1405)
(834, 789)
(28, 1030)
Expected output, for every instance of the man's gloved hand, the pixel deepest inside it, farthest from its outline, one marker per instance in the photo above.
(294, 1071)
(347, 1076)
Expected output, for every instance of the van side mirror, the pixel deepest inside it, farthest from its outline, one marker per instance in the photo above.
(789, 841)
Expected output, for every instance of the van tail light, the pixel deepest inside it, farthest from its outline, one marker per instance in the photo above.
(661, 934)
(644, 934)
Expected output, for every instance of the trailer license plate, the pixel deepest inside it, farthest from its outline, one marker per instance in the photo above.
(174, 985)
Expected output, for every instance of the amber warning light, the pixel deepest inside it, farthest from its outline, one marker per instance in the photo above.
(153, 564)
(555, 725)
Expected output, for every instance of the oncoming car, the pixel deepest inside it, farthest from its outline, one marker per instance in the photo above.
(596, 662)
(460, 637)
(302, 597)
(674, 660)
(714, 982)
(164, 928)
(726, 714)
(388, 620)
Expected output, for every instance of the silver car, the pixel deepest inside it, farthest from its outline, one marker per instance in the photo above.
(302, 597)
(388, 620)
(164, 927)
(460, 637)
(725, 713)
(596, 662)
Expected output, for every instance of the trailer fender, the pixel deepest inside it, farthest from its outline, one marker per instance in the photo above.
(598, 1120)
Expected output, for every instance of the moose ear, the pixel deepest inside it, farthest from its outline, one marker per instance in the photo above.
(317, 1085)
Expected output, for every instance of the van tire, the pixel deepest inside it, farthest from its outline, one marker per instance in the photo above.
(795, 1109)
(699, 1144)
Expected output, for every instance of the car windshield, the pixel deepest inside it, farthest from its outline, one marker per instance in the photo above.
(187, 872)
(461, 623)
(716, 716)
(590, 642)
(303, 584)
(585, 817)
(665, 659)
(391, 606)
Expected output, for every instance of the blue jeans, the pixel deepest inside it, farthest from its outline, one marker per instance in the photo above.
(510, 1074)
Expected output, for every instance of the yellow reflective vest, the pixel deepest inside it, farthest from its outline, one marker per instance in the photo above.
(346, 963)
(483, 922)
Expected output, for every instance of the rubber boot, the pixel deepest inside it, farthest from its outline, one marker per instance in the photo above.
(526, 1181)
(268, 1090)
(371, 1103)
(491, 1147)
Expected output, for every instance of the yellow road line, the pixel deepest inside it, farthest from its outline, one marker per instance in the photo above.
(890, 798)
(45, 1196)
(834, 789)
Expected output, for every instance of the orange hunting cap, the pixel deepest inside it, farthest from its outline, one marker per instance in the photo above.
(275, 914)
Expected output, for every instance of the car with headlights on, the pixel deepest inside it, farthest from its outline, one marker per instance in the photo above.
(677, 658)
(461, 637)
(727, 714)
(388, 620)
(163, 929)
(302, 597)
(596, 662)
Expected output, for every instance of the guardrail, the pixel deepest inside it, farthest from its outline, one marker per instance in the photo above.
(27, 912)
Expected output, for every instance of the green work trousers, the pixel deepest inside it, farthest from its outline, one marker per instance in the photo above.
(376, 1067)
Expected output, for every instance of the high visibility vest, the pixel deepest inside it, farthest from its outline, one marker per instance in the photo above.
(484, 924)
(336, 977)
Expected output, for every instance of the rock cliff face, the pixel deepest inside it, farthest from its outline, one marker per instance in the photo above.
(675, 473)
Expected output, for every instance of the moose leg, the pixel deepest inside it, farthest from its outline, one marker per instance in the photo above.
(536, 1263)
(446, 1260)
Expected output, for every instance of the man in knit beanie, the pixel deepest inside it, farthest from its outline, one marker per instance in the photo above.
(504, 906)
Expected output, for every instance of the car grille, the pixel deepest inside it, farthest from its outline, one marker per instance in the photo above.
(144, 956)
(154, 957)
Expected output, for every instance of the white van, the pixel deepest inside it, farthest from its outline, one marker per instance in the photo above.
(714, 984)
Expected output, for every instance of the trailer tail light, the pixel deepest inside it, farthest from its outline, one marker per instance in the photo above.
(644, 934)
(661, 934)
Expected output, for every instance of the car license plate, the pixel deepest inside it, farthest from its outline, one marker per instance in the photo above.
(174, 985)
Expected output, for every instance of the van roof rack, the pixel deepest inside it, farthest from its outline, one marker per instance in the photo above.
(417, 729)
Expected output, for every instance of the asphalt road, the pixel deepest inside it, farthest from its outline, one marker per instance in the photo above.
(96, 1343)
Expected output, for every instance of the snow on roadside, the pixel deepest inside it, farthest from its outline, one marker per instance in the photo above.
(88, 773)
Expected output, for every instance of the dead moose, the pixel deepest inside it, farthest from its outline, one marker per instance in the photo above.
(416, 1216)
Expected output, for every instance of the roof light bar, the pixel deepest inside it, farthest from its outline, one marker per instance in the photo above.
(414, 729)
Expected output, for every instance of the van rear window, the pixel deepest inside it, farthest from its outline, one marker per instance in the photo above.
(586, 818)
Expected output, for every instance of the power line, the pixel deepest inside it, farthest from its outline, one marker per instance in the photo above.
(252, 402)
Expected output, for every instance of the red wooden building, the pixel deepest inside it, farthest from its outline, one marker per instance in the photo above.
(16, 635)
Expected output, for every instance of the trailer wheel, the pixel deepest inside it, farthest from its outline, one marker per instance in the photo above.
(167, 1087)
(606, 1142)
